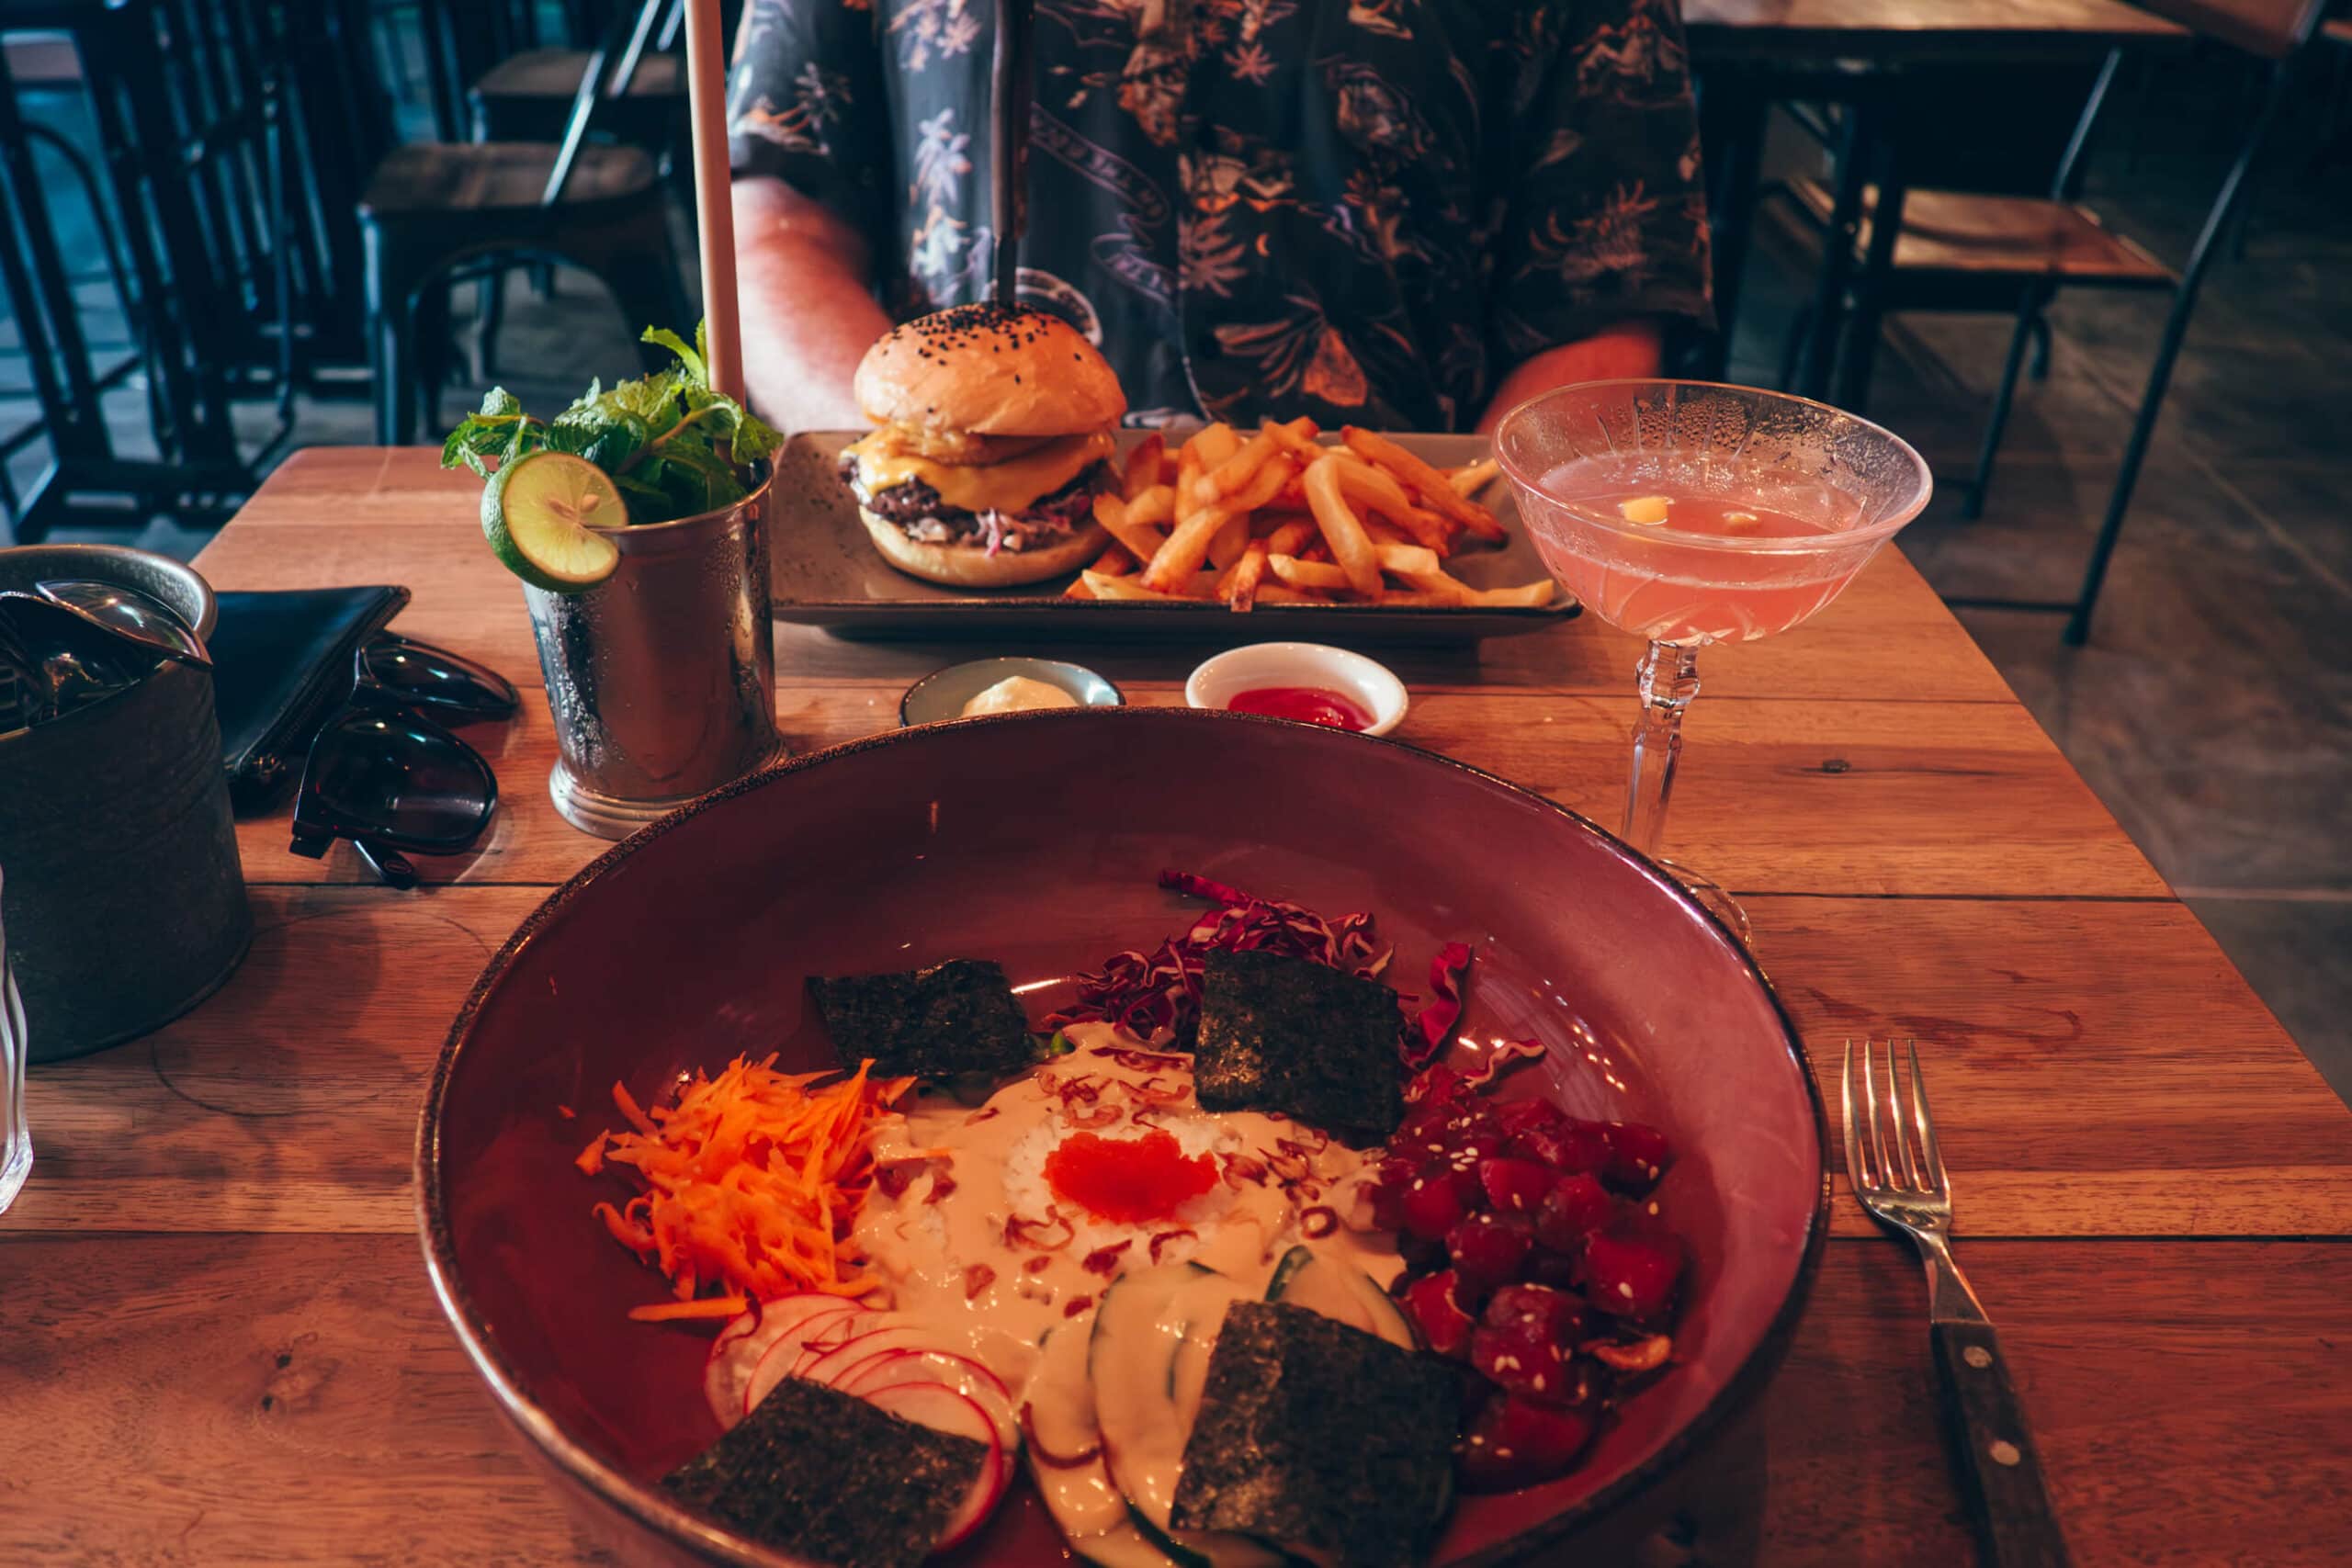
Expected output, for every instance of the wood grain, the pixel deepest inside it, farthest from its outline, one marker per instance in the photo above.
(330, 1419)
(210, 1295)
(333, 516)
(1891, 32)
(288, 1104)
(1864, 797)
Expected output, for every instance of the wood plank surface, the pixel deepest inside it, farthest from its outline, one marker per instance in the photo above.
(1895, 32)
(1771, 796)
(211, 1297)
(297, 1399)
(2058, 1109)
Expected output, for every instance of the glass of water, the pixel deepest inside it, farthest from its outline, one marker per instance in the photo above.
(16, 1142)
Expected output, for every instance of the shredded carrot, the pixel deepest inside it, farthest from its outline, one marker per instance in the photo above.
(707, 1306)
(751, 1183)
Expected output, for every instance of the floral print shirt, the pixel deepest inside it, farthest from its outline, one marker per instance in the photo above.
(1364, 211)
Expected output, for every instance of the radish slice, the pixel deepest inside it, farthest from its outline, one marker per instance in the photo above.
(828, 1367)
(901, 1368)
(943, 1409)
(832, 1333)
(816, 1334)
(735, 1354)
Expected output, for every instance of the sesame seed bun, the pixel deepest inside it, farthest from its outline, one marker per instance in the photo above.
(989, 370)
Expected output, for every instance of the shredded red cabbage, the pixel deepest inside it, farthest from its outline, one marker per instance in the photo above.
(1150, 993)
(1434, 1024)
(1498, 1056)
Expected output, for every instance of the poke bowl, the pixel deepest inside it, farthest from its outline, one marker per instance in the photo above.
(1033, 1003)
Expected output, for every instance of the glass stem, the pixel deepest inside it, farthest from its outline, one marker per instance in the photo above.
(1666, 679)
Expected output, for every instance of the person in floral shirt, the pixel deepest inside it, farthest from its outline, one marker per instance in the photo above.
(1407, 214)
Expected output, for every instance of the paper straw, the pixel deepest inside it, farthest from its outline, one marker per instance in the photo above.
(1009, 70)
(714, 195)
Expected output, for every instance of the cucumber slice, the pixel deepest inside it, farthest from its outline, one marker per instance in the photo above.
(1149, 1360)
(542, 514)
(1342, 1292)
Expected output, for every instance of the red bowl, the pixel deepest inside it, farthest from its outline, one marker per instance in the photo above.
(1035, 840)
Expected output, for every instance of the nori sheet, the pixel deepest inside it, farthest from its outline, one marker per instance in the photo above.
(824, 1474)
(1302, 1038)
(954, 1018)
(1317, 1436)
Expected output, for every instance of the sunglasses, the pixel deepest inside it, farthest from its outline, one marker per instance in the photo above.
(382, 773)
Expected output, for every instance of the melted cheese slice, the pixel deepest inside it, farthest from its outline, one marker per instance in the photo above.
(1003, 487)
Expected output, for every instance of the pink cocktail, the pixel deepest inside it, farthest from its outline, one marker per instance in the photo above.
(1690, 514)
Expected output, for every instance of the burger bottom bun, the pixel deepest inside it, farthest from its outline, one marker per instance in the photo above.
(970, 566)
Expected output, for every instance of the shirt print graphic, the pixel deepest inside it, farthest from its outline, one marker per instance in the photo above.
(1362, 210)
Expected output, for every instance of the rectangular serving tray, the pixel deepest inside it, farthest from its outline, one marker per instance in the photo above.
(825, 572)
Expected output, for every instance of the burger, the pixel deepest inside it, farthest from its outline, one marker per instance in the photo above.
(994, 431)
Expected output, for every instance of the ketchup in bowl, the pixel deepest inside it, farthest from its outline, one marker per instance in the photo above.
(1309, 705)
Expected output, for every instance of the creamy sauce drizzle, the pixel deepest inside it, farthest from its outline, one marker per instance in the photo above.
(968, 1233)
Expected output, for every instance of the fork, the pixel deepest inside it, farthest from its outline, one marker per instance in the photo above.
(1907, 1190)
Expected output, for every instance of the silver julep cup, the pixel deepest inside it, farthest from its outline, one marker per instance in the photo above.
(662, 678)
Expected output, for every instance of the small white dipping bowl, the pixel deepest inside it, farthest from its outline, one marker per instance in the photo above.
(1220, 680)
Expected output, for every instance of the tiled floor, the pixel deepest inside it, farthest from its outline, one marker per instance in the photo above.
(2213, 710)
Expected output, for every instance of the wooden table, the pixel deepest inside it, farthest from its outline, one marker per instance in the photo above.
(217, 1342)
(1749, 54)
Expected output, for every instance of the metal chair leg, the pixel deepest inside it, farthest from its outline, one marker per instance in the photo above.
(2030, 318)
(2143, 425)
(394, 374)
(1793, 350)
(2038, 367)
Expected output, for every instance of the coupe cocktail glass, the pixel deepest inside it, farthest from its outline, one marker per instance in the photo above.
(1691, 514)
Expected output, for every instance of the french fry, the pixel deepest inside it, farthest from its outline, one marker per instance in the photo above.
(1230, 543)
(1471, 477)
(1272, 480)
(1188, 474)
(1078, 589)
(1102, 586)
(1289, 539)
(1143, 466)
(1242, 591)
(1451, 590)
(1194, 585)
(1430, 529)
(1527, 596)
(1186, 547)
(1427, 482)
(1114, 561)
(1235, 471)
(1374, 490)
(1320, 575)
(1342, 530)
(1141, 541)
(1284, 593)
(1434, 588)
(1297, 438)
(1189, 543)
(1406, 561)
(1212, 445)
(1156, 505)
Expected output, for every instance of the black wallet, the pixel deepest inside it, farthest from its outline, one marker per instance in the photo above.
(280, 663)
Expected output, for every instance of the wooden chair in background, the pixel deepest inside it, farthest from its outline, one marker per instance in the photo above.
(433, 208)
(1969, 252)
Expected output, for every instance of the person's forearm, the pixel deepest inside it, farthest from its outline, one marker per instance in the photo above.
(808, 308)
(1627, 349)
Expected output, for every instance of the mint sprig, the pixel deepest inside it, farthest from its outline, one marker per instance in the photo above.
(673, 447)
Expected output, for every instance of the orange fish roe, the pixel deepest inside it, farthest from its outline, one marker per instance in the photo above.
(1128, 1180)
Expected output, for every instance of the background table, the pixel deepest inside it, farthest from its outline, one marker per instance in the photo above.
(217, 1342)
(1749, 54)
